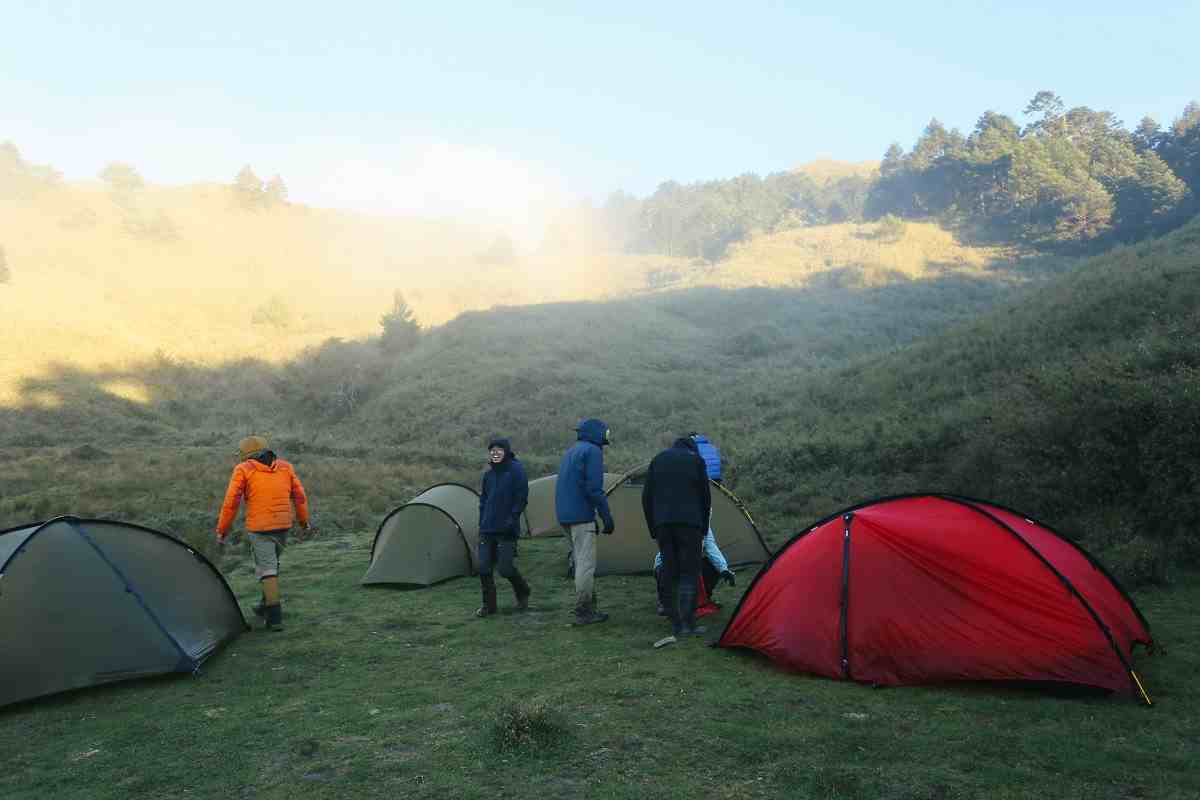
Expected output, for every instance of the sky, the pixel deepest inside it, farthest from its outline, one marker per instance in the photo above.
(499, 109)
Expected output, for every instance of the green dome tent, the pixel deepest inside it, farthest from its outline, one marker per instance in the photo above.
(431, 538)
(91, 601)
(630, 549)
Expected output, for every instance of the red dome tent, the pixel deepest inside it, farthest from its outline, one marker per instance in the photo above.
(932, 588)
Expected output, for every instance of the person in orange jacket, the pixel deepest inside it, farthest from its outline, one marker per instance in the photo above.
(271, 488)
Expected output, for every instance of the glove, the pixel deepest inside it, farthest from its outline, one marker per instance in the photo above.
(608, 527)
(729, 577)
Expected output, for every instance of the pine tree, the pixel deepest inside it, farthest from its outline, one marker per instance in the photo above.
(401, 331)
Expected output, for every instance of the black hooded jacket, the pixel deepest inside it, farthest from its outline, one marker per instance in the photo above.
(503, 494)
(676, 490)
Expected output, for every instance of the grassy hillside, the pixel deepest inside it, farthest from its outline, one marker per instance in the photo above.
(1077, 403)
(104, 279)
(100, 278)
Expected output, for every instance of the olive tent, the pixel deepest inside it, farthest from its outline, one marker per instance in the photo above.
(92, 601)
(933, 588)
(431, 538)
(539, 516)
(630, 550)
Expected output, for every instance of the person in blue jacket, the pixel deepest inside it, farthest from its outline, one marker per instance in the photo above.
(503, 494)
(578, 499)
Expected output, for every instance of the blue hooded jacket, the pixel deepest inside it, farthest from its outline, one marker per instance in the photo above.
(579, 492)
(503, 494)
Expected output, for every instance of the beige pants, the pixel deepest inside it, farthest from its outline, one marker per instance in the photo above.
(266, 547)
(583, 545)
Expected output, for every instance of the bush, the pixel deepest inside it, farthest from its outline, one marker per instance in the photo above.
(274, 312)
(890, 228)
(158, 228)
(1138, 562)
(530, 725)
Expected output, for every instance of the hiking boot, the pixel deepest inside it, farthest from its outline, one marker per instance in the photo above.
(588, 615)
(274, 615)
(521, 591)
(687, 610)
(662, 585)
(487, 585)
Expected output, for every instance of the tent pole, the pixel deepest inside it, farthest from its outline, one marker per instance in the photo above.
(1138, 682)
(845, 595)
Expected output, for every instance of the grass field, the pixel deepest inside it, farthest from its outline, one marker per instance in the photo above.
(389, 693)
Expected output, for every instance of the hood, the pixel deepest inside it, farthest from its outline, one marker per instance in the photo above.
(501, 442)
(594, 431)
(264, 459)
(687, 443)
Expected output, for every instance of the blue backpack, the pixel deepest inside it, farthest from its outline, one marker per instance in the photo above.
(710, 454)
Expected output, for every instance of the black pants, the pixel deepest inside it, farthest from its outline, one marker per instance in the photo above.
(708, 576)
(680, 548)
(499, 553)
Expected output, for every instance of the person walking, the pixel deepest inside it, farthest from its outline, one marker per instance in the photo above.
(503, 493)
(578, 498)
(677, 502)
(272, 490)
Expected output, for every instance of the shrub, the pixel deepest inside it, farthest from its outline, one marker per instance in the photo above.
(274, 312)
(528, 725)
(890, 228)
(1138, 562)
(157, 228)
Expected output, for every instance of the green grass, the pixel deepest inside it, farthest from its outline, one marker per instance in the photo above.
(383, 693)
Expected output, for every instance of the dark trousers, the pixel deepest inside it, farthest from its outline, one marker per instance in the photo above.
(680, 548)
(710, 575)
(498, 553)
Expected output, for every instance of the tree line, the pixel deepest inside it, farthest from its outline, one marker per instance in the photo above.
(1067, 178)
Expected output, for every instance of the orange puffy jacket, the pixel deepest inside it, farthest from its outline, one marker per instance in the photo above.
(270, 493)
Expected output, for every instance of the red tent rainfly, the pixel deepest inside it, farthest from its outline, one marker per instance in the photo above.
(932, 588)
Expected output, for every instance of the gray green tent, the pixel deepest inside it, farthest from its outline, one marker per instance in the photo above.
(91, 601)
(630, 549)
(431, 538)
(540, 519)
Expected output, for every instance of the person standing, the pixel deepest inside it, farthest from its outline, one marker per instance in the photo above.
(677, 502)
(503, 493)
(713, 567)
(271, 489)
(578, 498)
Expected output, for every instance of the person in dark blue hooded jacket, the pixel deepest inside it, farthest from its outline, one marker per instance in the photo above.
(503, 493)
(578, 498)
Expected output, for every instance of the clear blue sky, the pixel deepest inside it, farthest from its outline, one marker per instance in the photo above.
(580, 98)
